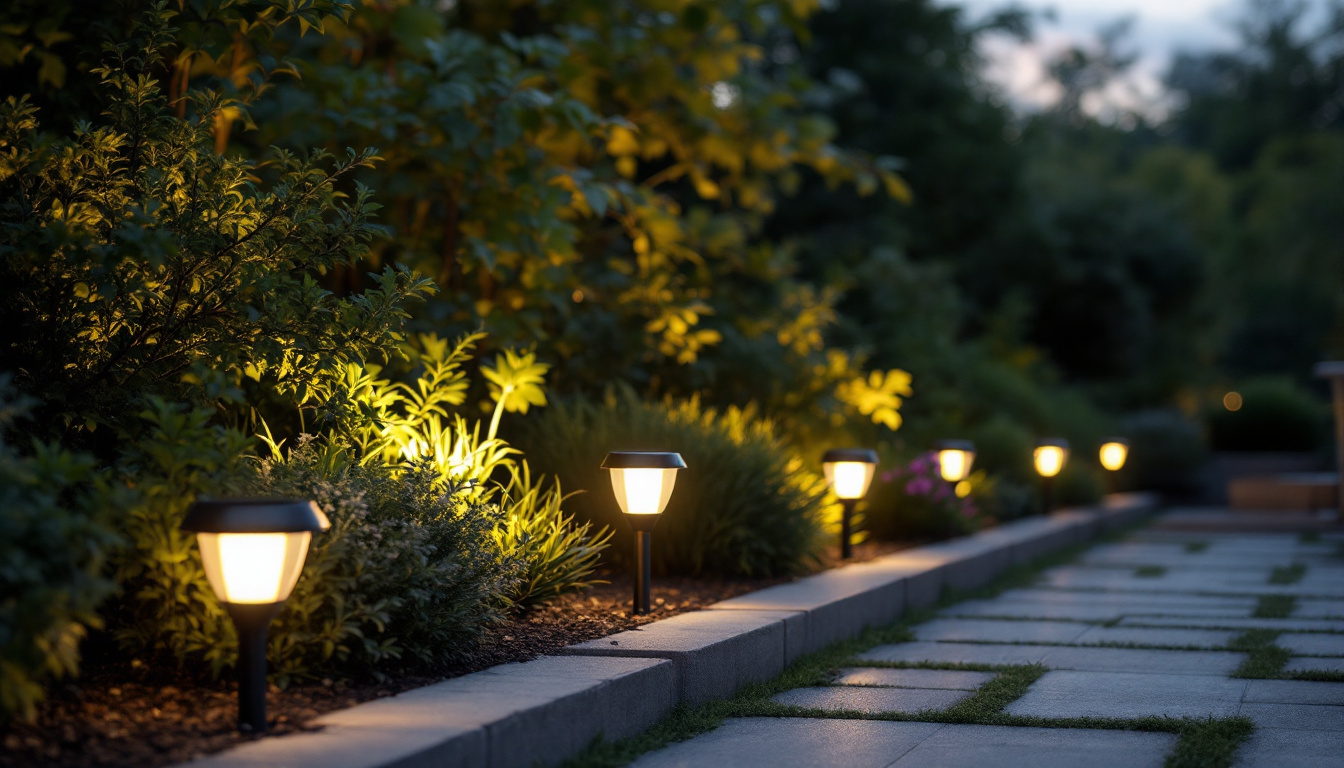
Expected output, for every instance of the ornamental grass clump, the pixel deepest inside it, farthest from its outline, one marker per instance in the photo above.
(745, 506)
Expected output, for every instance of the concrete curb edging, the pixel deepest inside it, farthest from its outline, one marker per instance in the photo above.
(546, 710)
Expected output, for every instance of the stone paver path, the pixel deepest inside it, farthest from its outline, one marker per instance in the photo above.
(1159, 624)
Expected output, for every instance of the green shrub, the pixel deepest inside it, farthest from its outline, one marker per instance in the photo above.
(54, 538)
(1275, 415)
(745, 505)
(407, 577)
(135, 260)
(1166, 452)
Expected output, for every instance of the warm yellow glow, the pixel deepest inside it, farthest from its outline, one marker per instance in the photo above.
(850, 479)
(1050, 460)
(253, 567)
(642, 491)
(963, 489)
(1232, 401)
(955, 464)
(1113, 455)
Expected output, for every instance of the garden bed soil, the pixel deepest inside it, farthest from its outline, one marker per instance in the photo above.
(136, 715)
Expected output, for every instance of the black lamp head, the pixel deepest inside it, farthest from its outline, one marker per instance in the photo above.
(255, 516)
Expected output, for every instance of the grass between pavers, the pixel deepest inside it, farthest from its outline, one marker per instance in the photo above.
(1309, 537)
(1207, 743)
(1290, 574)
(1195, 547)
(1264, 659)
(1150, 571)
(1274, 606)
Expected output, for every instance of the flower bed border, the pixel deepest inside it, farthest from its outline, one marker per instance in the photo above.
(546, 710)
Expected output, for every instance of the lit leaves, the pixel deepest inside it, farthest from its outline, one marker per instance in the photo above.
(516, 381)
(877, 396)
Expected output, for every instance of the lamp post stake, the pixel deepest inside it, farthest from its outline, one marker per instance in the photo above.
(643, 571)
(1334, 371)
(846, 548)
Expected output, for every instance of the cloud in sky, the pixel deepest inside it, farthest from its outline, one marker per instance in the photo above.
(1161, 29)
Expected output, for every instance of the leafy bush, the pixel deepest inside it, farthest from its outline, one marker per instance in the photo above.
(1275, 415)
(138, 261)
(745, 505)
(1166, 452)
(407, 576)
(914, 502)
(54, 540)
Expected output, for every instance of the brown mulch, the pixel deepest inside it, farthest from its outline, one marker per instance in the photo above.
(132, 715)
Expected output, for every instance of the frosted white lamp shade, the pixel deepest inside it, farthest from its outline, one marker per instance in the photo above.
(252, 568)
(643, 490)
(955, 464)
(849, 479)
(1050, 459)
(1113, 455)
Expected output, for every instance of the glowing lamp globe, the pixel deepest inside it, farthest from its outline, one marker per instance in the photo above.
(253, 552)
(1113, 454)
(849, 471)
(1051, 454)
(955, 458)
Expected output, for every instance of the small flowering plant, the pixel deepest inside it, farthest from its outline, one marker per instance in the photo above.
(913, 501)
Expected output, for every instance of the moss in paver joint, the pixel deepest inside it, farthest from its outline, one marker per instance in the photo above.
(1264, 659)
(1288, 574)
(1195, 547)
(1209, 743)
(1309, 537)
(1150, 571)
(1274, 606)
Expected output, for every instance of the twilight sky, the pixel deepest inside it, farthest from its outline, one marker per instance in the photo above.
(1162, 27)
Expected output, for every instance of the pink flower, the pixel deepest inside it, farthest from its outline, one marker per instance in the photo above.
(919, 465)
(920, 486)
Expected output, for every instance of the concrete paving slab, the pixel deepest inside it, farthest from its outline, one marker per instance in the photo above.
(1300, 717)
(1143, 660)
(1309, 644)
(871, 700)
(511, 715)
(975, 746)
(1171, 602)
(1279, 748)
(789, 742)
(957, 653)
(1160, 637)
(1125, 694)
(990, 630)
(713, 652)
(1294, 692)
(1302, 625)
(1314, 664)
(949, 679)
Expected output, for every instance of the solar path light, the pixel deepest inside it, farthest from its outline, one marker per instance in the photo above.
(1334, 371)
(642, 482)
(954, 460)
(849, 472)
(1051, 453)
(1113, 454)
(253, 552)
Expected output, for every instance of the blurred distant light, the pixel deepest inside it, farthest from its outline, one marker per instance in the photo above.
(724, 95)
(577, 296)
(1232, 401)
